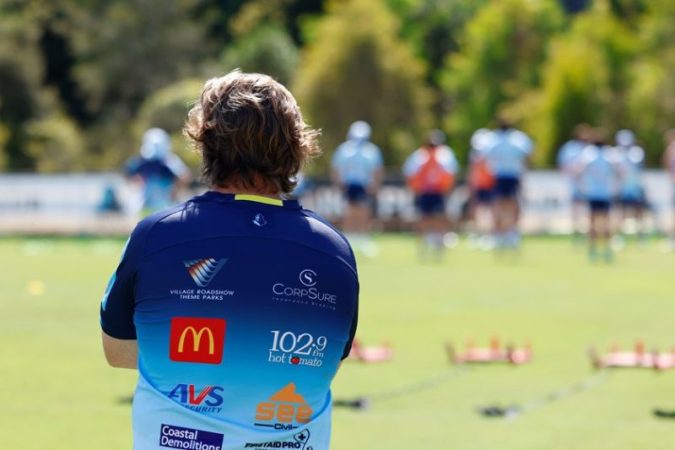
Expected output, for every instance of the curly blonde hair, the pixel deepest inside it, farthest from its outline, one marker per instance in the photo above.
(250, 133)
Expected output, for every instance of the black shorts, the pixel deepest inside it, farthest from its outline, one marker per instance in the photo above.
(430, 204)
(632, 201)
(599, 206)
(356, 193)
(506, 187)
(484, 195)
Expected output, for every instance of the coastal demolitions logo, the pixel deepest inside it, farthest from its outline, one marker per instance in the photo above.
(197, 340)
(203, 271)
(172, 436)
(283, 410)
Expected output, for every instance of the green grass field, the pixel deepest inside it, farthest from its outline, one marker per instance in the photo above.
(57, 392)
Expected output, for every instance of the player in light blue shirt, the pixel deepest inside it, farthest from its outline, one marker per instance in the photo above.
(357, 169)
(599, 182)
(507, 158)
(568, 161)
(632, 197)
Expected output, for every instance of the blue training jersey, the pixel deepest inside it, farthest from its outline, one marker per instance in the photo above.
(599, 176)
(356, 161)
(508, 152)
(243, 308)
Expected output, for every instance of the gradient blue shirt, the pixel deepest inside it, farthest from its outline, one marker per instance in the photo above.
(599, 176)
(508, 152)
(243, 308)
(356, 161)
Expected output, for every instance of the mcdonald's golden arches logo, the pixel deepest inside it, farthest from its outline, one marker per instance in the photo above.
(197, 340)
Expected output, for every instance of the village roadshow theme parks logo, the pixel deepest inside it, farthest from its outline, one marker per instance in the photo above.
(172, 436)
(197, 340)
(203, 272)
(305, 292)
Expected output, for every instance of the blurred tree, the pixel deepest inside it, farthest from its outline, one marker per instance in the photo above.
(575, 90)
(651, 96)
(56, 144)
(127, 49)
(268, 49)
(358, 69)
(503, 48)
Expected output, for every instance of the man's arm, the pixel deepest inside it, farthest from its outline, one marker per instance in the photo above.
(120, 353)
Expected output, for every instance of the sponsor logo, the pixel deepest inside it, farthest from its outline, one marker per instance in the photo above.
(308, 277)
(172, 436)
(203, 271)
(259, 220)
(297, 349)
(197, 340)
(206, 400)
(283, 410)
(300, 440)
(307, 293)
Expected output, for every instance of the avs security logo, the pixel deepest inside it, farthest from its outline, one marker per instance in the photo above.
(197, 340)
(206, 400)
(172, 436)
(306, 292)
(299, 441)
(203, 271)
(283, 410)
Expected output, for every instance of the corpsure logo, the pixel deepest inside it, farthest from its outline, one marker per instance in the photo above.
(307, 292)
(203, 271)
(197, 340)
(283, 410)
(208, 399)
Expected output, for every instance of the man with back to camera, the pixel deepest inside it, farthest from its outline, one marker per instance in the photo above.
(237, 307)
(507, 157)
(357, 169)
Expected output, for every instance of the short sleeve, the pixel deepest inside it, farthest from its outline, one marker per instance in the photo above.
(411, 165)
(117, 306)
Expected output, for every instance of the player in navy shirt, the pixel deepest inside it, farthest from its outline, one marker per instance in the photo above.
(237, 306)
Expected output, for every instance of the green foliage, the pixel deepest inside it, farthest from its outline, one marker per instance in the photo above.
(56, 144)
(651, 97)
(502, 49)
(574, 90)
(358, 69)
(268, 49)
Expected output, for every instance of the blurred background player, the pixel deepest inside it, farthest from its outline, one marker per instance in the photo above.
(507, 158)
(669, 164)
(632, 198)
(358, 171)
(430, 173)
(160, 172)
(599, 180)
(481, 182)
(568, 161)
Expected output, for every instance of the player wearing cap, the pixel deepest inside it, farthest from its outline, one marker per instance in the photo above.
(430, 172)
(599, 181)
(237, 306)
(160, 172)
(507, 157)
(358, 170)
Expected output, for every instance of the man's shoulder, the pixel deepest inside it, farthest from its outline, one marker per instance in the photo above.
(326, 238)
